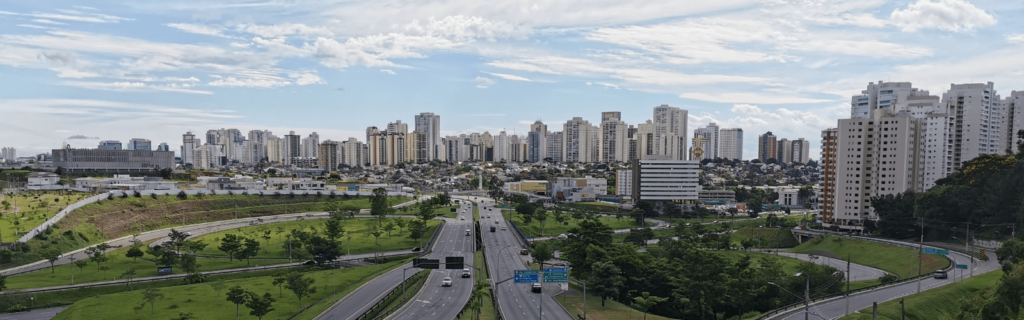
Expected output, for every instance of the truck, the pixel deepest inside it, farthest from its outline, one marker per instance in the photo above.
(492, 228)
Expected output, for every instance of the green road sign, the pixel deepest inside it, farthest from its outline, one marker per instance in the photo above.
(556, 277)
(526, 276)
(961, 266)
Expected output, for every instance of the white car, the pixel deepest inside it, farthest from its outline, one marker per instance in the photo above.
(446, 282)
(462, 218)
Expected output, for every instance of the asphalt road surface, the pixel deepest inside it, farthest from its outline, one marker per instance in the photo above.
(435, 301)
(515, 300)
(836, 308)
(40, 314)
(857, 272)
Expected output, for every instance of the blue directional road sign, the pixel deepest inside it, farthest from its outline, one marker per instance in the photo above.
(527, 276)
(936, 251)
(961, 266)
(556, 275)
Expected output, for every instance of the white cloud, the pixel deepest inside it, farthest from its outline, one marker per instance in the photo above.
(281, 30)
(45, 21)
(509, 77)
(948, 15)
(463, 28)
(33, 26)
(76, 16)
(129, 86)
(483, 83)
(207, 30)
(303, 79)
(1015, 38)
(387, 71)
(589, 68)
(749, 97)
(266, 82)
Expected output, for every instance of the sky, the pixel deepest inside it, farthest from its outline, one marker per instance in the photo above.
(117, 70)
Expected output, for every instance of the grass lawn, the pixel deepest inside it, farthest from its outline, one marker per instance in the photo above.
(358, 229)
(612, 310)
(206, 303)
(487, 305)
(938, 303)
(118, 264)
(553, 228)
(33, 207)
(887, 257)
(594, 205)
(765, 237)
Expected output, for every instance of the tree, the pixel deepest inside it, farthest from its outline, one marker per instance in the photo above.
(230, 244)
(3, 282)
(300, 286)
(81, 264)
(542, 252)
(279, 281)
(426, 212)
(250, 248)
(260, 306)
(218, 286)
(379, 203)
(401, 223)
(129, 275)
(322, 250)
(605, 280)
(388, 227)
(333, 229)
(104, 269)
(189, 265)
(97, 255)
(754, 205)
(150, 296)
(134, 253)
(51, 255)
(646, 301)
(238, 296)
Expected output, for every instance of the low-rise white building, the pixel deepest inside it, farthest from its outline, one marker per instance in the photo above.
(43, 181)
(238, 182)
(124, 182)
(570, 189)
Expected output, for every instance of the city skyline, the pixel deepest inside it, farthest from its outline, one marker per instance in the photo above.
(313, 68)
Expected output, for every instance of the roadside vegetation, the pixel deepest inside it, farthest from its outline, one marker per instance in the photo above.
(27, 210)
(890, 258)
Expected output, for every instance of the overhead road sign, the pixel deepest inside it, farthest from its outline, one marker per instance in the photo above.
(426, 263)
(527, 276)
(455, 263)
(936, 251)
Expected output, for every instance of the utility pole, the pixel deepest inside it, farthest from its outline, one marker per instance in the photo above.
(920, 253)
(970, 252)
(848, 258)
(807, 298)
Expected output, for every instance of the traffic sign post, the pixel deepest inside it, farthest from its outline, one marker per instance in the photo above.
(961, 266)
(556, 275)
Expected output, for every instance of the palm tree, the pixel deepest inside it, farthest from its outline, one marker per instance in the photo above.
(480, 292)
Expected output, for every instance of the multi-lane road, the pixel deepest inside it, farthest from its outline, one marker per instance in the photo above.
(836, 308)
(435, 302)
(515, 300)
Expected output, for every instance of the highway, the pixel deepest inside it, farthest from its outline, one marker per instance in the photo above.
(515, 300)
(836, 308)
(435, 302)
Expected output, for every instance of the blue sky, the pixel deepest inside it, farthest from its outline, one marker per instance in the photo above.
(125, 69)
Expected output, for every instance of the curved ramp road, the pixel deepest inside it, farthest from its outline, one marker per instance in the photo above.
(435, 302)
(857, 272)
(836, 308)
(515, 300)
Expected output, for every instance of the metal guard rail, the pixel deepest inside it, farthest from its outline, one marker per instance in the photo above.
(789, 307)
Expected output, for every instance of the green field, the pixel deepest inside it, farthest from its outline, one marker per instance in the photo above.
(118, 264)
(553, 228)
(358, 229)
(887, 257)
(764, 237)
(611, 311)
(33, 208)
(206, 303)
(938, 303)
(594, 205)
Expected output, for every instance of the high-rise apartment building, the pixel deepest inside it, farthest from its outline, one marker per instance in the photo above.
(784, 150)
(353, 153)
(670, 133)
(553, 141)
(875, 156)
(386, 148)
(189, 143)
(730, 143)
(827, 178)
(536, 142)
(140, 144)
(767, 147)
(578, 143)
(892, 96)
(291, 147)
(978, 121)
(109, 145)
(310, 146)
(665, 179)
(429, 124)
(8, 154)
(799, 151)
(163, 147)
(1014, 106)
(329, 155)
(501, 147)
(613, 144)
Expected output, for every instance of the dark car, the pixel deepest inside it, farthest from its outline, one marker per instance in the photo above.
(940, 274)
(524, 252)
(536, 288)
(416, 249)
(309, 263)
